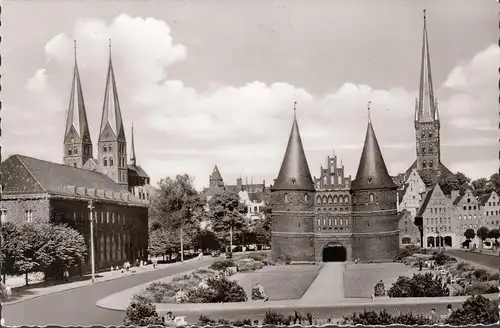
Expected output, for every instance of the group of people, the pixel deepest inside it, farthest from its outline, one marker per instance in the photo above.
(436, 318)
(170, 320)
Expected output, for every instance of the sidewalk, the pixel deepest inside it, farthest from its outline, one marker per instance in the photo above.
(33, 291)
(328, 286)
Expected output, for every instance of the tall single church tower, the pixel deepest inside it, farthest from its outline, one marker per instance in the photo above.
(375, 230)
(77, 142)
(215, 178)
(112, 152)
(292, 203)
(427, 124)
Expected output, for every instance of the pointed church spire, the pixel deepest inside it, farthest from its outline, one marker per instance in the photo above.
(132, 149)
(426, 102)
(372, 172)
(369, 117)
(77, 115)
(111, 113)
(294, 173)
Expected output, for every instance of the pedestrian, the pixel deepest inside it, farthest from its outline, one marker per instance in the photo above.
(168, 319)
(66, 275)
(450, 309)
(200, 255)
(434, 317)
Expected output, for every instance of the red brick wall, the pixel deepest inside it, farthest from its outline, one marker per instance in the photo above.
(323, 240)
(16, 209)
(297, 247)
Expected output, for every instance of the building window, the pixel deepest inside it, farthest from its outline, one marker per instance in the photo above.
(341, 200)
(346, 221)
(424, 164)
(329, 221)
(423, 150)
(104, 148)
(69, 151)
(319, 222)
(105, 161)
(468, 200)
(286, 197)
(431, 164)
(324, 222)
(474, 206)
(28, 215)
(430, 134)
(3, 217)
(341, 221)
(107, 217)
(430, 149)
(370, 198)
(465, 208)
(306, 197)
(346, 199)
(111, 161)
(423, 134)
(75, 151)
(318, 200)
(335, 222)
(109, 147)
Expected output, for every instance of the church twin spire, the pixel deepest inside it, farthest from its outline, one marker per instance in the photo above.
(426, 109)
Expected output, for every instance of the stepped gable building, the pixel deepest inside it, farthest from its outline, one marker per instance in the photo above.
(490, 208)
(375, 231)
(35, 190)
(292, 204)
(427, 125)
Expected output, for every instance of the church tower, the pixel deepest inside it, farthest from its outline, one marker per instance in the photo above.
(77, 142)
(374, 211)
(112, 151)
(427, 124)
(216, 178)
(292, 204)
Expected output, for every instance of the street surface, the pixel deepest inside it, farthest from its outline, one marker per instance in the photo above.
(331, 278)
(484, 259)
(77, 306)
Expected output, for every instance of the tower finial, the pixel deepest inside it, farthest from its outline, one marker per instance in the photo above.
(294, 106)
(424, 12)
(74, 49)
(369, 117)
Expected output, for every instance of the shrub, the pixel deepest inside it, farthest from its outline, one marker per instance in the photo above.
(141, 312)
(475, 310)
(464, 266)
(256, 294)
(442, 259)
(257, 256)
(420, 285)
(405, 252)
(222, 265)
(249, 266)
(494, 276)
(372, 318)
(481, 274)
(283, 259)
(273, 318)
(219, 290)
(479, 288)
(205, 321)
(241, 323)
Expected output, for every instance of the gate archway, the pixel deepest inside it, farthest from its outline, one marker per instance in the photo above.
(334, 253)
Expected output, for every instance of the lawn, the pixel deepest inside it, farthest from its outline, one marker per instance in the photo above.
(280, 282)
(360, 279)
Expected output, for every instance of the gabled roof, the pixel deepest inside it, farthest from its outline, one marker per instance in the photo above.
(425, 202)
(484, 198)
(215, 174)
(138, 170)
(294, 173)
(54, 178)
(402, 192)
(458, 199)
(372, 172)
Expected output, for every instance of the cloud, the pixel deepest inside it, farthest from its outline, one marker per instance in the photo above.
(243, 129)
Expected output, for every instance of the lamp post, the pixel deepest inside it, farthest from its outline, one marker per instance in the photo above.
(92, 261)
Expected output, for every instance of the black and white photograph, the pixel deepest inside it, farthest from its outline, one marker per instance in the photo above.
(249, 163)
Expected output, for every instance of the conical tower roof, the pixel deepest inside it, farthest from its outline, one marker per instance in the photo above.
(426, 108)
(216, 174)
(111, 113)
(372, 172)
(77, 115)
(294, 173)
(132, 149)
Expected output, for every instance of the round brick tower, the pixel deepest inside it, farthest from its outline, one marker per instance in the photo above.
(374, 212)
(292, 201)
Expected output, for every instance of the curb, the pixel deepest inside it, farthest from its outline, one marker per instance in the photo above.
(6, 304)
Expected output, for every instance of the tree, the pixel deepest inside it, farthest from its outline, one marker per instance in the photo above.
(482, 234)
(226, 213)
(475, 310)
(495, 181)
(420, 285)
(469, 234)
(494, 234)
(462, 178)
(30, 247)
(176, 209)
(482, 186)
(448, 183)
(141, 312)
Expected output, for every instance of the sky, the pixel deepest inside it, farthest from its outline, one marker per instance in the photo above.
(214, 82)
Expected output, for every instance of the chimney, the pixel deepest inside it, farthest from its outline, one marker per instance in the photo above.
(71, 189)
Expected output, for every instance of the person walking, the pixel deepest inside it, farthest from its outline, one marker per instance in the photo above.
(66, 275)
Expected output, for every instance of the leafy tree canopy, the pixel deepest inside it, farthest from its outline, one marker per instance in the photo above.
(469, 234)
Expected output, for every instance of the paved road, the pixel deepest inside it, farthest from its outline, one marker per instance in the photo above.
(331, 279)
(484, 259)
(77, 307)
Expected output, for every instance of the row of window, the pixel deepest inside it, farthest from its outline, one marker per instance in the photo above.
(335, 221)
(431, 163)
(332, 200)
(465, 227)
(492, 222)
(470, 208)
(332, 209)
(439, 229)
(74, 151)
(306, 197)
(470, 217)
(423, 134)
(488, 213)
(424, 150)
(108, 148)
(437, 210)
(440, 221)
(493, 203)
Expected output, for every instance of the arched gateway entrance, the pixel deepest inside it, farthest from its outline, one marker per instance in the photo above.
(334, 253)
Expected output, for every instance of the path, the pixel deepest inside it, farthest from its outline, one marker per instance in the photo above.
(77, 307)
(488, 260)
(328, 286)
